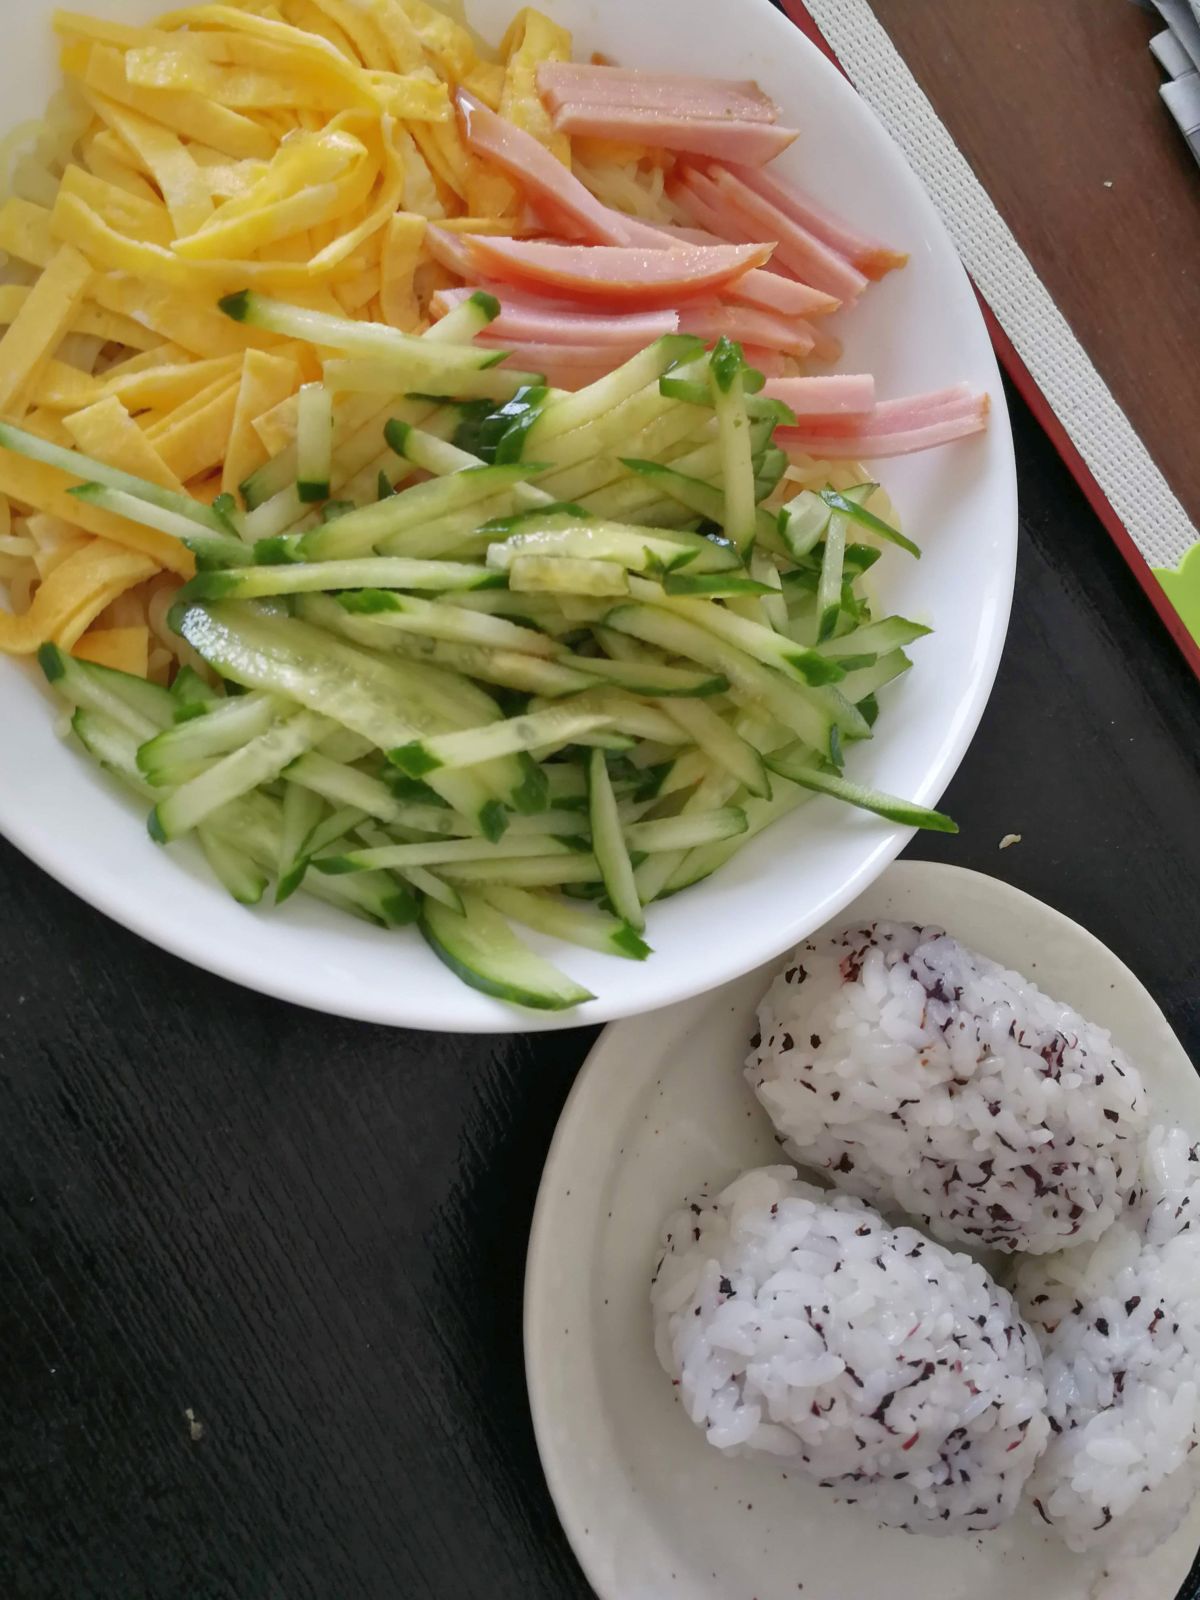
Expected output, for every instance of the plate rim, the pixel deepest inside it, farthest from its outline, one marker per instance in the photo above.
(676, 1019)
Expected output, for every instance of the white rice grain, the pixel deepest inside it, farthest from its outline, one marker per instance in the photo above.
(921, 1076)
(1120, 1328)
(896, 1373)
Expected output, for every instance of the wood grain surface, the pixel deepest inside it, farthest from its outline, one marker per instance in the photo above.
(311, 1233)
(1055, 104)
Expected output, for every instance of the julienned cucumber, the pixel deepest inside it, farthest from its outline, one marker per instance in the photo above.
(609, 845)
(372, 339)
(437, 619)
(851, 505)
(598, 399)
(314, 442)
(480, 946)
(700, 497)
(233, 868)
(513, 687)
(170, 757)
(88, 470)
(442, 853)
(369, 572)
(259, 761)
(684, 833)
(726, 370)
(699, 394)
(591, 538)
(142, 708)
(358, 532)
(568, 575)
(799, 770)
(301, 812)
(594, 930)
(875, 638)
(361, 691)
(469, 317)
(558, 726)
(211, 548)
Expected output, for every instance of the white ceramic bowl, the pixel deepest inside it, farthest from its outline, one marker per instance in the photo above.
(919, 329)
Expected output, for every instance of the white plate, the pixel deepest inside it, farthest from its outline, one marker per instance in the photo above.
(919, 329)
(654, 1513)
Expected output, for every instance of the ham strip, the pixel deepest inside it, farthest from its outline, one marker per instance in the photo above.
(542, 176)
(869, 256)
(704, 208)
(524, 317)
(893, 428)
(898, 416)
(844, 394)
(674, 94)
(540, 218)
(449, 250)
(875, 446)
(749, 144)
(564, 366)
(800, 251)
(771, 291)
(769, 362)
(748, 326)
(610, 277)
(768, 290)
(688, 235)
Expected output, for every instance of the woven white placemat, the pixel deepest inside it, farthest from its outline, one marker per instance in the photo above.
(1058, 363)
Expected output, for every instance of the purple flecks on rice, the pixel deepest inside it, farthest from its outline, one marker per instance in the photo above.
(888, 1368)
(1120, 1328)
(926, 1078)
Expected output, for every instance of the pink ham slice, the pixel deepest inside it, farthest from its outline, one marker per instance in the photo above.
(911, 411)
(769, 362)
(749, 326)
(683, 235)
(609, 277)
(893, 428)
(691, 193)
(546, 182)
(766, 293)
(796, 248)
(843, 394)
(872, 258)
(750, 144)
(564, 366)
(527, 318)
(449, 250)
(770, 291)
(766, 289)
(826, 347)
(562, 83)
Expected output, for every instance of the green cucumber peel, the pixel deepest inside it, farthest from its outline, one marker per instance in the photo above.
(511, 444)
(868, 519)
(487, 303)
(726, 363)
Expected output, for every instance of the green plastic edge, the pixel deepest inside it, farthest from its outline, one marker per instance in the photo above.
(1181, 585)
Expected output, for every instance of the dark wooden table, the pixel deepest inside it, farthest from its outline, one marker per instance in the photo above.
(261, 1271)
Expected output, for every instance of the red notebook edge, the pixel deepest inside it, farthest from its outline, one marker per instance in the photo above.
(1027, 386)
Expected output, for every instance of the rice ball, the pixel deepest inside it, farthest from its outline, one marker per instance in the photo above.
(796, 1323)
(921, 1076)
(1120, 1329)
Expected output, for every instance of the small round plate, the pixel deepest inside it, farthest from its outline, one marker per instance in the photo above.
(660, 1107)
